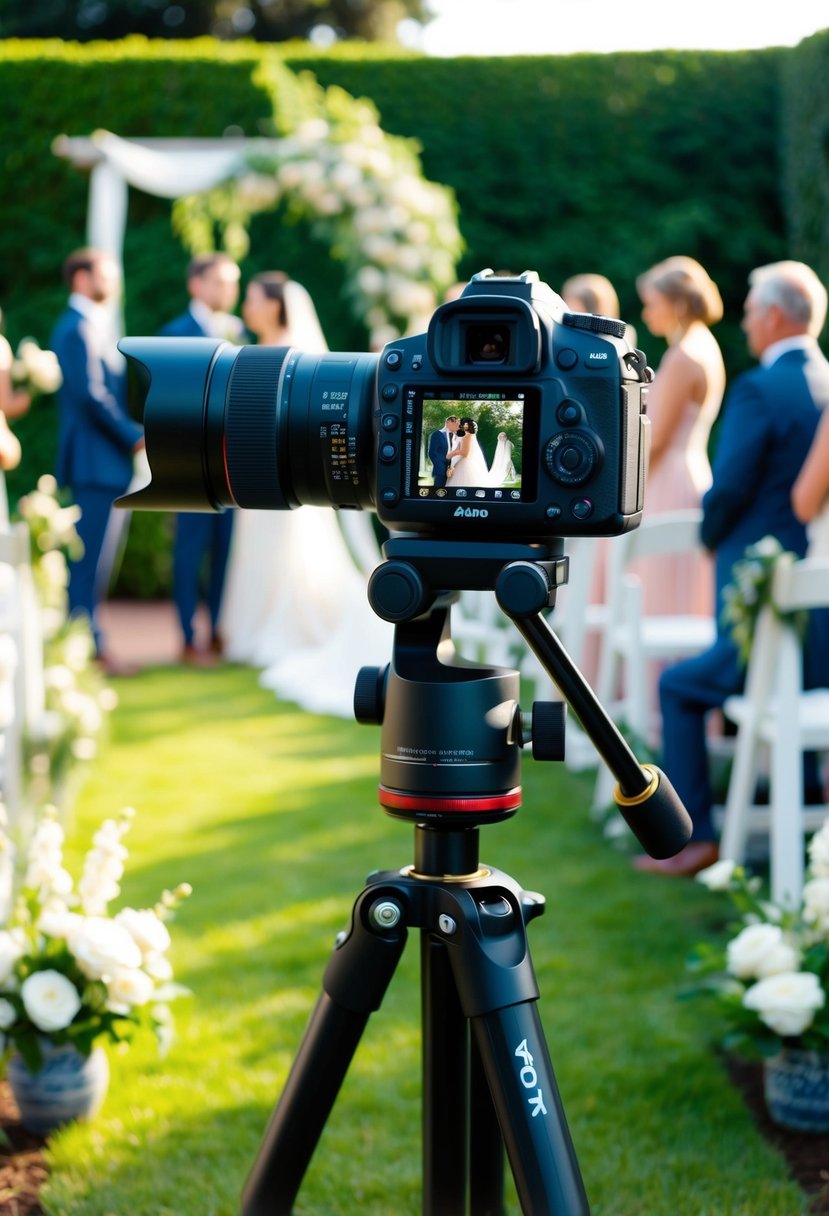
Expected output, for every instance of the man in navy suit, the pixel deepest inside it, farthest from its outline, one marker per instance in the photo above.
(440, 444)
(213, 284)
(771, 414)
(97, 438)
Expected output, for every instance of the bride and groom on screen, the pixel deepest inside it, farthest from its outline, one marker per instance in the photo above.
(459, 462)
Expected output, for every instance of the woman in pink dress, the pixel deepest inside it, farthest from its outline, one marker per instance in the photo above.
(680, 302)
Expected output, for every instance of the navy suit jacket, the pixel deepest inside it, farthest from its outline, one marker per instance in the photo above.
(770, 418)
(96, 434)
(185, 326)
(438, 451)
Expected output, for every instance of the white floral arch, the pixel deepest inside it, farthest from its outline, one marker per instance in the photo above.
(362, 190)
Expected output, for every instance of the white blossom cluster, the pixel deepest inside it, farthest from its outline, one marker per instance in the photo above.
(63, 956)
(780, 956)
(35, 370)
(364, 192)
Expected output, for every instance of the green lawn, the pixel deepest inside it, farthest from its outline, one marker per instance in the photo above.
(272, 815)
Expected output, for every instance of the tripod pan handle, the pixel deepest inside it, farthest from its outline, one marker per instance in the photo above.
(656, 815)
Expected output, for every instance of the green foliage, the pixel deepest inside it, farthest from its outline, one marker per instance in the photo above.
(806, 151)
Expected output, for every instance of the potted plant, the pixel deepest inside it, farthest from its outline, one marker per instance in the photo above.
(770, 982)
(73, 973)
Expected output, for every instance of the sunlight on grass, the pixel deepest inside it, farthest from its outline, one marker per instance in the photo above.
(272, 815)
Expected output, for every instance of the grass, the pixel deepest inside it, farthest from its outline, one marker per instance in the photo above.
(272, 815)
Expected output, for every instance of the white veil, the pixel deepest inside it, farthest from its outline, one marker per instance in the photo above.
(303, 322)
(502, 470)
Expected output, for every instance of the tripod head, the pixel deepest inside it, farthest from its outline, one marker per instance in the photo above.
(453, 730)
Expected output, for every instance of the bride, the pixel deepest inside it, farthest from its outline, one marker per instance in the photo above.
(293, 586)
(469, 467)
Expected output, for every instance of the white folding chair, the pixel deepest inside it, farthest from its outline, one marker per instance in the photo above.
(777, 722)
(632, 638)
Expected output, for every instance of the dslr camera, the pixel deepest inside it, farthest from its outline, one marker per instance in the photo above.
(557, 400)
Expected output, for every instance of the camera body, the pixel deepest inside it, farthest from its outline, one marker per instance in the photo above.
(568, 388)
(556, 401)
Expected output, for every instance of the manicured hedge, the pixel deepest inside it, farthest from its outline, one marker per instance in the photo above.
(560, 164)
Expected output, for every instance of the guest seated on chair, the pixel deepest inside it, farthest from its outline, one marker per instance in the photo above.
(771, 415)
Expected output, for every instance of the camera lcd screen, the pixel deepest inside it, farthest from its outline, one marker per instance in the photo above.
(470, 445)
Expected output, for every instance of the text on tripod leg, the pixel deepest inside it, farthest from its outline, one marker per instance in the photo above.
(529, 1079)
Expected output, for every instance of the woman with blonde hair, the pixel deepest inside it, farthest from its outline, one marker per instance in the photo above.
(680, 303)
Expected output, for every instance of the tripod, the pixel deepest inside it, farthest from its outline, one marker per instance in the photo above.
(488, 1083)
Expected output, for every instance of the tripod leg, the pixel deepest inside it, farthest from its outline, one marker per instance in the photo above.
(445, 1084)
(530, 1112)
(354, 984)
(486, 1148)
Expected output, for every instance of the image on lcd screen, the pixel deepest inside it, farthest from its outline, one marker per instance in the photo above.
(471, 448)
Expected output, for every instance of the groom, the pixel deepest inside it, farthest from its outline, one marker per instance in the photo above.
(213, 287)
(440, 445)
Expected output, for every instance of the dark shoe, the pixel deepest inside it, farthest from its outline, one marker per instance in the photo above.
(193, 657)
(217, 644)
(696, 856)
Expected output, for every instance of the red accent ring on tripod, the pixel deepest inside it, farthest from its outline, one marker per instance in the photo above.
(453, 806)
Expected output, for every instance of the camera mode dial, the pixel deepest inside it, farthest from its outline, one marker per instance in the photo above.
(572, 457)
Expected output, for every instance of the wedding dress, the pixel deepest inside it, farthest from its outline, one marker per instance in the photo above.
(471, 470)
(295, 596)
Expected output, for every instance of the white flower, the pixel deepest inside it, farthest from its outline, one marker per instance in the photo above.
(128, 987)
(718, 876)
(50, 1000)
(9, 954)
(101, 947)
(159, 967)
(8, 1014)
(759, 951)
(149, 933)
(816, 902)
(57, 922)
(819, 852)
(787, 1002)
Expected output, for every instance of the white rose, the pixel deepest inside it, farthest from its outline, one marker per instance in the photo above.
(147, 930)
(50, 1000)
(786, 1003)
(816, 902)
(9, 954)
(718, 876)
(8, 1014)
(760, 950)
(128, 987)
(100, 947)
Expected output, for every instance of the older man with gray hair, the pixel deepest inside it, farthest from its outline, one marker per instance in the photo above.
(770, 417)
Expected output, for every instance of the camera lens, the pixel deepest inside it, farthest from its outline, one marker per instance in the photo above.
(487, 344)
(253, 426)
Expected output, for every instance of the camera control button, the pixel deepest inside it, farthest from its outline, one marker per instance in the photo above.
(581, 508)
(571, 457)
(569, 413)
(553, 512)
(388, 452)
(389, 392)
(566, 359)
(390, 497)
(389, 422)
(394, 360)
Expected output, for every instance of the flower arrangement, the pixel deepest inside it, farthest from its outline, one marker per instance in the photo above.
(363, 192)
(70, 970)
(76, 699)
(34, 370)
(751, 591)
(772, 978)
